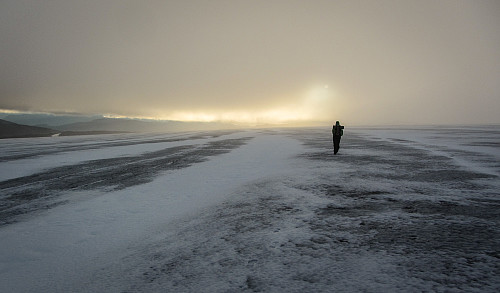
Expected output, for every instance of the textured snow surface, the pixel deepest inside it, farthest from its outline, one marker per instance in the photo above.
(397, 210)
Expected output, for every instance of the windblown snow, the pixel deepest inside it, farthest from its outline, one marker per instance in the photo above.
(396, 210)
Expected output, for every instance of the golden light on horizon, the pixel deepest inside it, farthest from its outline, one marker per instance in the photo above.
(270, 116)
(313, 105)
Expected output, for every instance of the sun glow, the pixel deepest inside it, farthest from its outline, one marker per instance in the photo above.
(271, 116)
(318, 95)
(313, 105)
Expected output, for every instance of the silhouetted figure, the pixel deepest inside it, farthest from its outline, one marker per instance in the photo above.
(337, 131)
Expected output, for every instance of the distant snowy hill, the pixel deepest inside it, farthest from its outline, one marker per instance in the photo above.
(14, 130)
(93, 123)
(46, 120)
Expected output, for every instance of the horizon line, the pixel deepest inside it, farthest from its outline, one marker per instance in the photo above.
(289, 123)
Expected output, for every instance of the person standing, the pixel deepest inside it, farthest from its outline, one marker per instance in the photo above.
(337, 131)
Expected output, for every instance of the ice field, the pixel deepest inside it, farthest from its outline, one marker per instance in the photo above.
(396, 210)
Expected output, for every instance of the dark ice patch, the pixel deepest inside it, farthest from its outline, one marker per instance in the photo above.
(29, 193)
(36, 151)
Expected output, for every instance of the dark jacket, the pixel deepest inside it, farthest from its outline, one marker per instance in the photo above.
(338, 130)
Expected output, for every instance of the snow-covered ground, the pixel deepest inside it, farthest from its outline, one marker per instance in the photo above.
(397, 210)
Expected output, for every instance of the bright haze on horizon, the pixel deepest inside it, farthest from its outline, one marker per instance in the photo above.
(361, 62)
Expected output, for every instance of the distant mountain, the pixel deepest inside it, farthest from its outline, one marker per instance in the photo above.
(136, 125)
(81, 124)
(46, 120)
(14, 130)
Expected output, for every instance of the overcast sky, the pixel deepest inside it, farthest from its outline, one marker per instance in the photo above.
(361, 62)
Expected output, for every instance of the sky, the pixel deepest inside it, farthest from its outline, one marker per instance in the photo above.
(272, 61)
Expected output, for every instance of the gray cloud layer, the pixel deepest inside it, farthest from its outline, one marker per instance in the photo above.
(387, 61)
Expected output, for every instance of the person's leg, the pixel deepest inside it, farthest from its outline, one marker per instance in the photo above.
(336, 143)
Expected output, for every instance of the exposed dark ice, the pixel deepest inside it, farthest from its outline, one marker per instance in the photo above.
(381, 216)
(42, 190)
